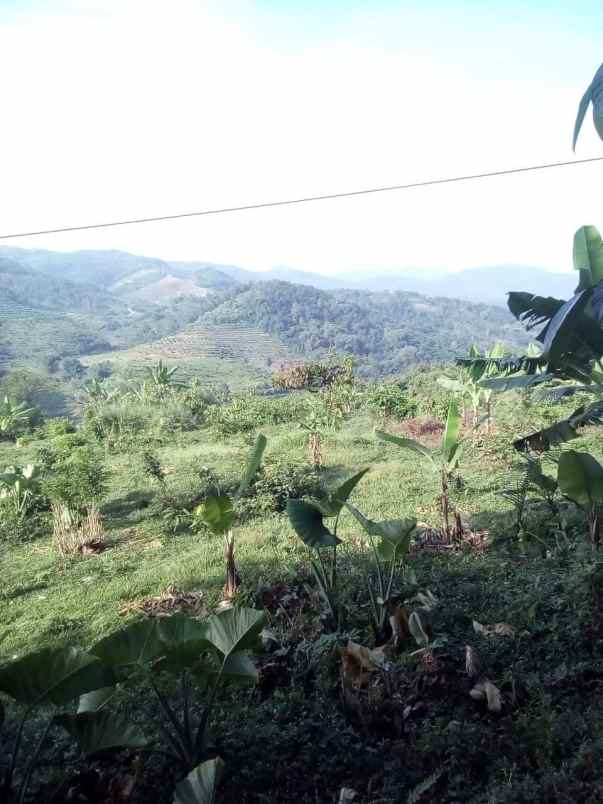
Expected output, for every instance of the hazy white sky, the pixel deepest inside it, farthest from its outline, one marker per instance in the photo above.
(130, 109)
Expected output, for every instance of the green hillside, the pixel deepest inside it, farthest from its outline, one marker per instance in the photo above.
(388, 331)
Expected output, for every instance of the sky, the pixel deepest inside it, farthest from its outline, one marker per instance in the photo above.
(123, 108)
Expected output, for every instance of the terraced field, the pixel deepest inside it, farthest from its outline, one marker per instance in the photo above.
(235, 355)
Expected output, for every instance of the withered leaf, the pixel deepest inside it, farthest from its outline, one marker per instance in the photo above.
(485, 689)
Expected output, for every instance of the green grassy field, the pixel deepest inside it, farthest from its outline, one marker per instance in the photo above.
(520, 755)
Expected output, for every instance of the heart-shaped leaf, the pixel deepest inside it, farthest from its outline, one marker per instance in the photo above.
(580, 477)
(235, 629)
(95, 700)
(54, 676)
(99, 731)
(136, 644)
(307, 521)
(201, 785)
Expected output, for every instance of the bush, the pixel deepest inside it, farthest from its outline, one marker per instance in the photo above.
(58, 427)
(248, 412)
(75, 477)
(390, 401)
(275, 484)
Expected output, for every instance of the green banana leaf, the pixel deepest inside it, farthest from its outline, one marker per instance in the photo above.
(201, 785)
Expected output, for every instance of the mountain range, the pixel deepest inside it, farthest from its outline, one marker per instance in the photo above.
(141, 278)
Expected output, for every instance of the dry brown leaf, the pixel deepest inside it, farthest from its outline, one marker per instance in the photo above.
(166, 603)
(486, 690)
(398, 621)
(358, 664)
(472, 662)
(500, 629)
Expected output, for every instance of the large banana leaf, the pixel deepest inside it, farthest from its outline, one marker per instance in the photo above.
(450, 437)
(54, 676)
(407, 443)
(235, 629)
(530, 364)
(580, 478)
(332, 503)
(561, 331)
(217, 513)
(594, 93)
(588, 256)
(533, 310)
(514, 383)
(307, 521)
(102, 730)
(562, 431)
(253, 464)
(201, 784)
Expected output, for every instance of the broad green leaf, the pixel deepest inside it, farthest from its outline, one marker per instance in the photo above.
(513, 383)
(136, 644)
(560, 330)
(99, 731)
(201, 785)
(588, 256)
(582, 109)
(407, 443)
(451, 431)
(456, 386)
(454, 456)
(580, 477)
(217, 513)
(179, 628)
(95, 700)
(235, 629)
(562, 431)
(253, 464)
(415, 626)
(240, 669)
(307, 521)
(394, 533)
(54, 676)
(334, 501)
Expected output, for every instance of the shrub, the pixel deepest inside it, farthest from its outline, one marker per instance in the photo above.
(58, 427)
(245, 413)
(390, 401)
(76, 478)
(275, 485)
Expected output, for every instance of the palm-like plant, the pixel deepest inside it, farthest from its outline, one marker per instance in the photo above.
(161, 376)
(14, 416)
(218, 513)
(443, 461)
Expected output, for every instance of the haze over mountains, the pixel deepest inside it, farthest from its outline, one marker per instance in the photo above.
(151, 279)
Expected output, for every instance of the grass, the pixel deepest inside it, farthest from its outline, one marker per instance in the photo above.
(544, 745)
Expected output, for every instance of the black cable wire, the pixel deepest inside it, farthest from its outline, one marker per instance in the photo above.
(305, 200)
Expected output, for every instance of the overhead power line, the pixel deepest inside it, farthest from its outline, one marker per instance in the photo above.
(303, 200)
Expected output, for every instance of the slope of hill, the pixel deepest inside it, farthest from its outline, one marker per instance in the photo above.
(232, 354)
(23, 286)
(389, 331)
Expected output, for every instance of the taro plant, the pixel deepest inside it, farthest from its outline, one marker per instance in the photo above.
(202, 657)
(307, 519)
(19, 485)
(52, 679)
(580, 478)
(390, 544)
(218, 513)
(443, 461)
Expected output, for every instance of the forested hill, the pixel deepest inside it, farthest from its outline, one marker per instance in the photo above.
(389, 330)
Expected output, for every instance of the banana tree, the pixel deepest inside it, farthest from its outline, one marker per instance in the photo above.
(14, 416)
(594, 95)
(571, 336)
(580, 477)
(203, 656)
(218, 513)
(390, 543)
(470, 383)
(307, 520)
(443, 461)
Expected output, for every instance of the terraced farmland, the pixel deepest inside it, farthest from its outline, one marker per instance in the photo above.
(222, 353)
